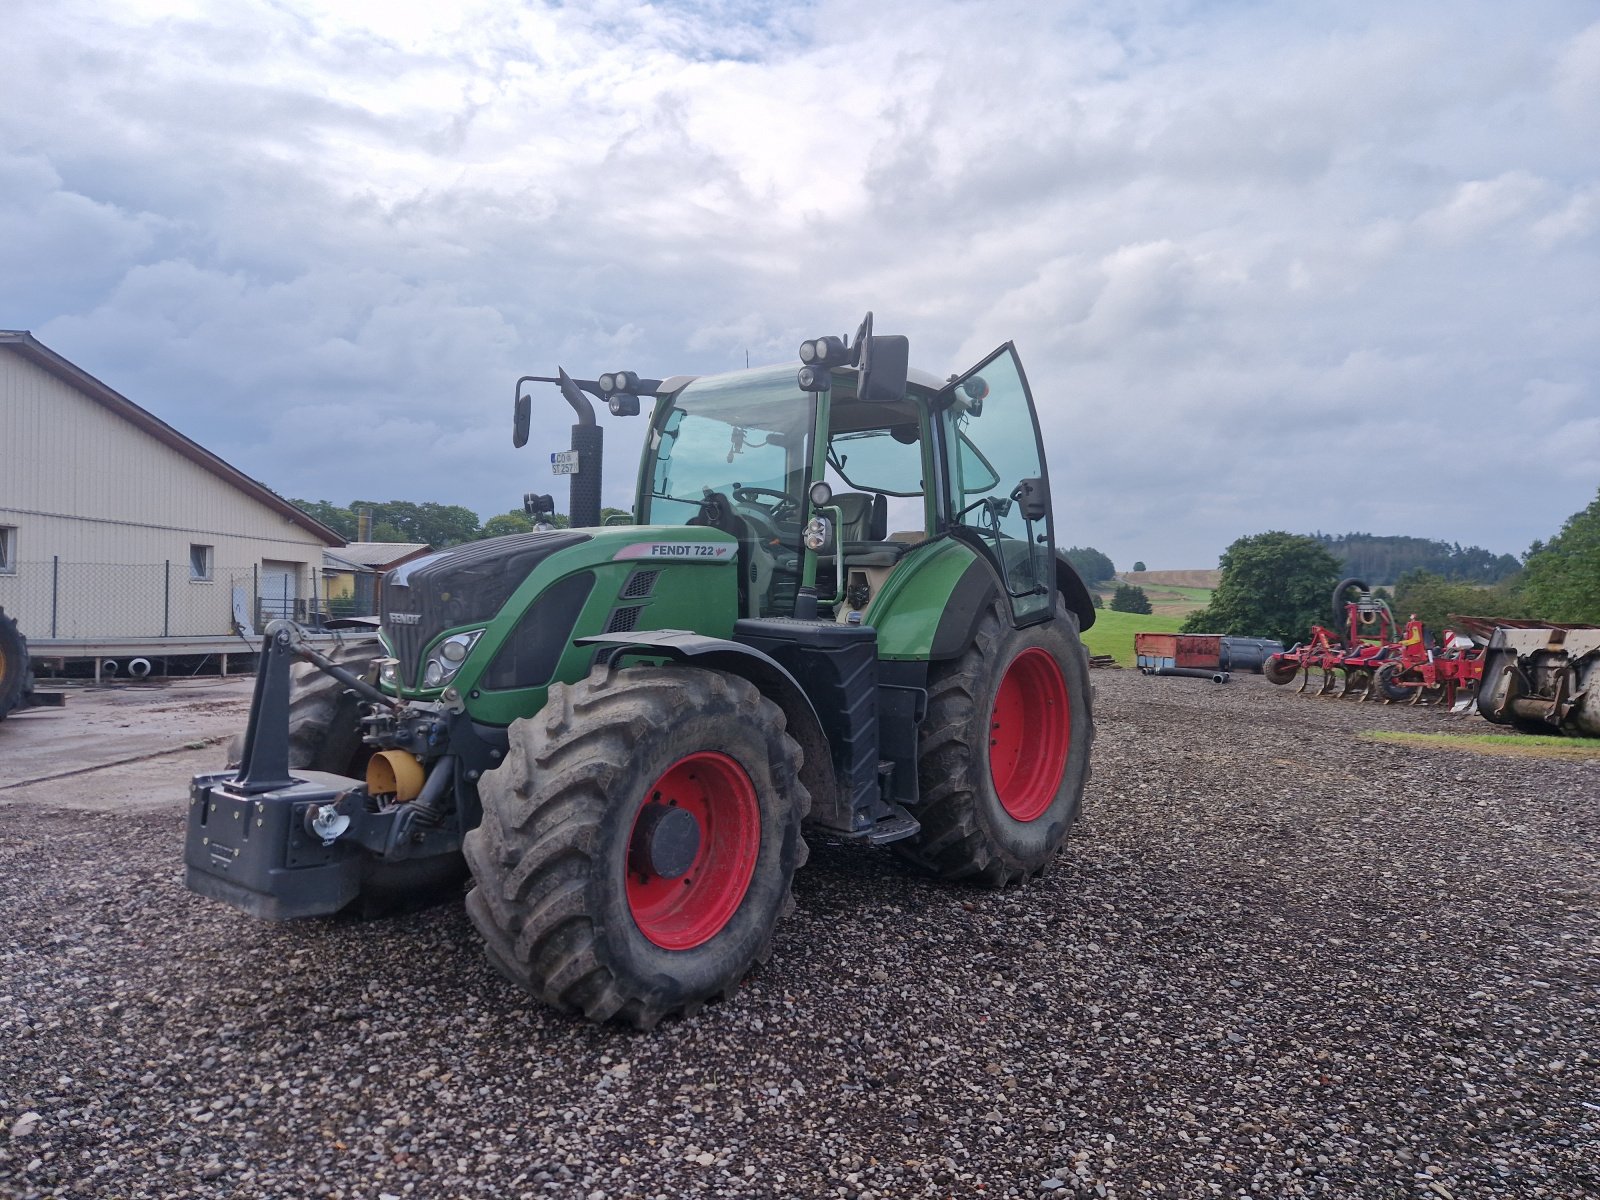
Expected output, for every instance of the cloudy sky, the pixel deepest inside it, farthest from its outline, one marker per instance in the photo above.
(1269, 265)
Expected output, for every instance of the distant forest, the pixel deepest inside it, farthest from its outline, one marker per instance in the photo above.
(1378, 559)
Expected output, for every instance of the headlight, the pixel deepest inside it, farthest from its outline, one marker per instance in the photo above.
(389, 672)
(817, 533)
(445, 659)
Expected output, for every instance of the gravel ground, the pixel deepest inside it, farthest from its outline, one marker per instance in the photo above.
(1274, 960)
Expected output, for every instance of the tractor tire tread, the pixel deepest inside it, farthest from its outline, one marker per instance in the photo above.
(16, 671)
(536, 849)
(953, 843)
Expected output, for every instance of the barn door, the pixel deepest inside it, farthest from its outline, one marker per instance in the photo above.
(279, 589)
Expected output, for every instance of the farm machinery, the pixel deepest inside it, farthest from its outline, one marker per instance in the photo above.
(16, 673)
(1379, 659)
(623, 732)
(1542, 678)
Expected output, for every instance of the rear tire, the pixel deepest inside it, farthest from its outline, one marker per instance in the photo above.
(1002, 768)
(570, 904)
(16, 673)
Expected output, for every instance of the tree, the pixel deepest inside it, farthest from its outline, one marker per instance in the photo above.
(515, 521)
(1139, 566)
(1561, 580)
(341, 520)
(1432, 599)
(1099, 600)
(1130, 599)
(1273, 584)
(1090, 564)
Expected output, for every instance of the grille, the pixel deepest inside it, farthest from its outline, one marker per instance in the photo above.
(623, 620)
(459, 587)
(640, 583)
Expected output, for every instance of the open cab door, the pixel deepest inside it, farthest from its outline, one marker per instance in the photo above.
(999, 487)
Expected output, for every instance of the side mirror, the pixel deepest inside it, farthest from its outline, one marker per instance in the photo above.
(885, 360)
(1032, 499)
(520, 420)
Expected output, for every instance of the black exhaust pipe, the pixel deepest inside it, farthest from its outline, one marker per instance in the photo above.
(588, 439)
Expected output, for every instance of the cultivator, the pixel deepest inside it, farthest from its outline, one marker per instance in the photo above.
(1377, 659)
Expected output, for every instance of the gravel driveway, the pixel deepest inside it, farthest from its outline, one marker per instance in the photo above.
(1273, 961)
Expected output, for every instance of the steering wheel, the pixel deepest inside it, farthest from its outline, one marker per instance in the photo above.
(749, 495)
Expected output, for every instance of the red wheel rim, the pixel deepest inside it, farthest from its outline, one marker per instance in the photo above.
(1030, 734)
(689, 909)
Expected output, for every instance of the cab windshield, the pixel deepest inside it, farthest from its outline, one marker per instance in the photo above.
(733, 451)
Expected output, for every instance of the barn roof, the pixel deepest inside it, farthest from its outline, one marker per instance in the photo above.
(383, 555)
(23, 343)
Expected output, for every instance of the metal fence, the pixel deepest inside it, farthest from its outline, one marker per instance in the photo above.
(70, 600)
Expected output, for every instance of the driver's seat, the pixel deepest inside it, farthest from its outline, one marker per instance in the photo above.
(864, 530)
(754, 563)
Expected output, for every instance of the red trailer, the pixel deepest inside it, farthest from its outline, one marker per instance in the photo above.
(1180, 654)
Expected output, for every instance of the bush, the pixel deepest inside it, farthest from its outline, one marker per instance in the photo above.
(1138, 566)
(1130, 599)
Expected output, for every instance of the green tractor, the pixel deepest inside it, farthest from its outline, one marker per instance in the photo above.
(840, 610)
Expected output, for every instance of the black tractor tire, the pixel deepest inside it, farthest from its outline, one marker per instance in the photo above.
(1339, 601)
(554, 860)
(323, 734)
(967, 831)
(16, 673)
(1496, 666)
(1277, 671)
(1387, 686)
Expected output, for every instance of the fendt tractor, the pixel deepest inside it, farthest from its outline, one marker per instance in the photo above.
(840, 609)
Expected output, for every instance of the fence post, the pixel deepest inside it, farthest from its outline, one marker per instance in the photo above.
(166, 600)
(255, 594)
(55, 590)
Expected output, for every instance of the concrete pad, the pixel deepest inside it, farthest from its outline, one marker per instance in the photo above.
(131, 746)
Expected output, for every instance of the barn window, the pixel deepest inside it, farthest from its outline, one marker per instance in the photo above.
(8, 549)
(199, 562)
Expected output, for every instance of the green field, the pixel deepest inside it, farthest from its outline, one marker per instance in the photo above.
(1113, 632)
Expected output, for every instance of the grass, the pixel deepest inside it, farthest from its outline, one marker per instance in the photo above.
(1509, 745)
(1113, 632)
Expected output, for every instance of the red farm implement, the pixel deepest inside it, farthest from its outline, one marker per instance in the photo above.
(1379, 659)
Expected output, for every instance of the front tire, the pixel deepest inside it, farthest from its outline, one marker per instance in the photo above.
(1004, 753)
(593, 891)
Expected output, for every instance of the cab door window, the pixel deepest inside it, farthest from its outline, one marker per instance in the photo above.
(995, 453)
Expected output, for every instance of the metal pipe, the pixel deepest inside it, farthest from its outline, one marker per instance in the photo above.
(354, 682)
(1192, 672)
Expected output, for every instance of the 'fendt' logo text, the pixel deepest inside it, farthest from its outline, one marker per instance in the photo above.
(404, 618)
(688, 551)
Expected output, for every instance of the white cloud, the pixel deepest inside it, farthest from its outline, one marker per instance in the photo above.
(1249, 256)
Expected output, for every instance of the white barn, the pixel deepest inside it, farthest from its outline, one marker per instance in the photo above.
(116, 527)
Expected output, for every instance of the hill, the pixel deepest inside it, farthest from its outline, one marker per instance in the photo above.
(1184, 579)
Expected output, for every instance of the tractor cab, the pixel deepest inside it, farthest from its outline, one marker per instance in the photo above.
(828, 478)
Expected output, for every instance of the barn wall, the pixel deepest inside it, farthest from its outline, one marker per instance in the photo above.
(116, 506)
